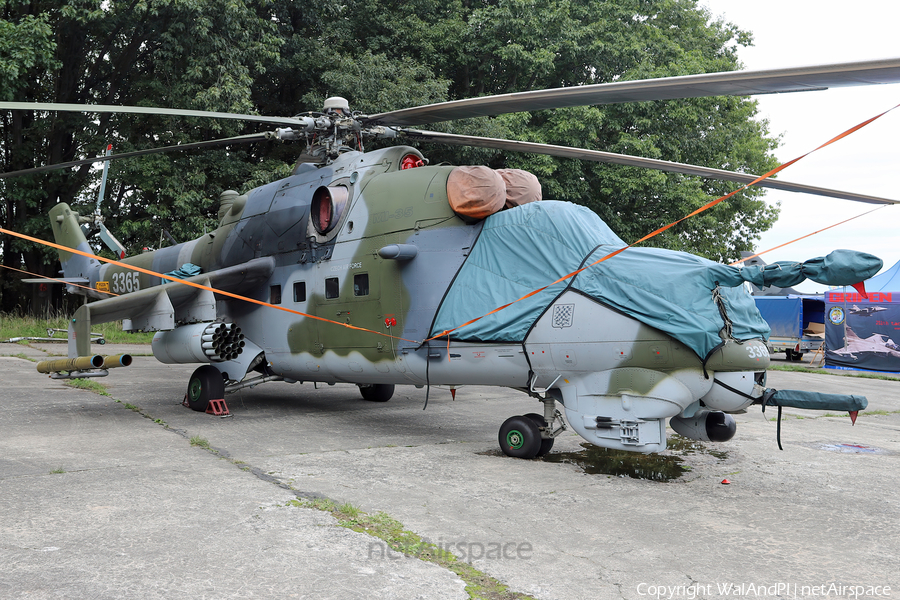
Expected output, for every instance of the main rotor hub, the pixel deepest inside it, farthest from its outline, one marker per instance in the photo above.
(334, 131)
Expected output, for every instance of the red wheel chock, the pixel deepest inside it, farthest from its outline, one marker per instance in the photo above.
(218, 408)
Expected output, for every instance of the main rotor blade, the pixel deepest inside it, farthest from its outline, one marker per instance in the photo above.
(143, 110)
(241, 139)
(731, 83)
(636, 161)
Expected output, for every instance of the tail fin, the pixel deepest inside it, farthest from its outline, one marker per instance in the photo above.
(67, 232)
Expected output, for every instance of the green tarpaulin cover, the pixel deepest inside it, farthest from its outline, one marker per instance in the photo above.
(815, 400)
(525, 248)
(528, 247)
(841, 267)
(186, 270)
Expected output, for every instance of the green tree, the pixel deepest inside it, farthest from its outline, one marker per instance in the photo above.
(503, 46)
(198, 54)
(283, 58)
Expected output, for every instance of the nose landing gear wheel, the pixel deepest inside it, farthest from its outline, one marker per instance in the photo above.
(206, 384)
(520, 437)
(380, 392)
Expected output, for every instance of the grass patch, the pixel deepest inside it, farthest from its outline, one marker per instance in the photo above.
(22, 326)
(23, 356)
(864, 413)
(87, 384)
(803, 369)
(787, 417)
(349, 510)
(397, 539)
(200, 442)
(318, 504)
(57, 471)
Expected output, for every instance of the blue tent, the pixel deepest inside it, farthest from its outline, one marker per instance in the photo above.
(889, 281)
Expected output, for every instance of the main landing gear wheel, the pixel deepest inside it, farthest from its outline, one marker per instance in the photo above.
(205, 384)
(520, 437)
(546, 443)
(380, 392)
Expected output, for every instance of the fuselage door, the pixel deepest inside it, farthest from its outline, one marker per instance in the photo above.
(348, 292)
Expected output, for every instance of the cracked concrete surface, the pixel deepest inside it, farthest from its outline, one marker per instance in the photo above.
(140, 513)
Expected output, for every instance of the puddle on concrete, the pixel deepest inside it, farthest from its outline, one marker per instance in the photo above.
(667, 466)
(850, 448)
(681, 445)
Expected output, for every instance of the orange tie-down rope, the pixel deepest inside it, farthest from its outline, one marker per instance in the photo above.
(803, 237)
(192, 284)
(84, 287)
(706, 206)
(447, 332)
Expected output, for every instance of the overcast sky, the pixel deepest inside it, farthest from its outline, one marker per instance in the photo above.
(802, 32)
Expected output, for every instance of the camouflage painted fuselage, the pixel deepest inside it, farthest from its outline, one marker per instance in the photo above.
(600, 364)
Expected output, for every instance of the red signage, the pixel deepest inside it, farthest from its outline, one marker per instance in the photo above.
(857, 297)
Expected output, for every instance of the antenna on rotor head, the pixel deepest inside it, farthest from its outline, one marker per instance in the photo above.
(336, 105)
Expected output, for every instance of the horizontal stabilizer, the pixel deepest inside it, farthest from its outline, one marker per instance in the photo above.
(83, 280)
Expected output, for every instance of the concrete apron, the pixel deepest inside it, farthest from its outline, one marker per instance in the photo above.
(138, 512)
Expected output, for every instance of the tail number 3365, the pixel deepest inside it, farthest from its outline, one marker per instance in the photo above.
(758, 351)
(125, 282)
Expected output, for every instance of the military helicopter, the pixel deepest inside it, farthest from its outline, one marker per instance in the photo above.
(378, 269)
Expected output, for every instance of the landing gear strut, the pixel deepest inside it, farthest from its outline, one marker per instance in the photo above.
(546, 443)
(531, 435)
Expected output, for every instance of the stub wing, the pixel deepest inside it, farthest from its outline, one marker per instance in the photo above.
(159, 308)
